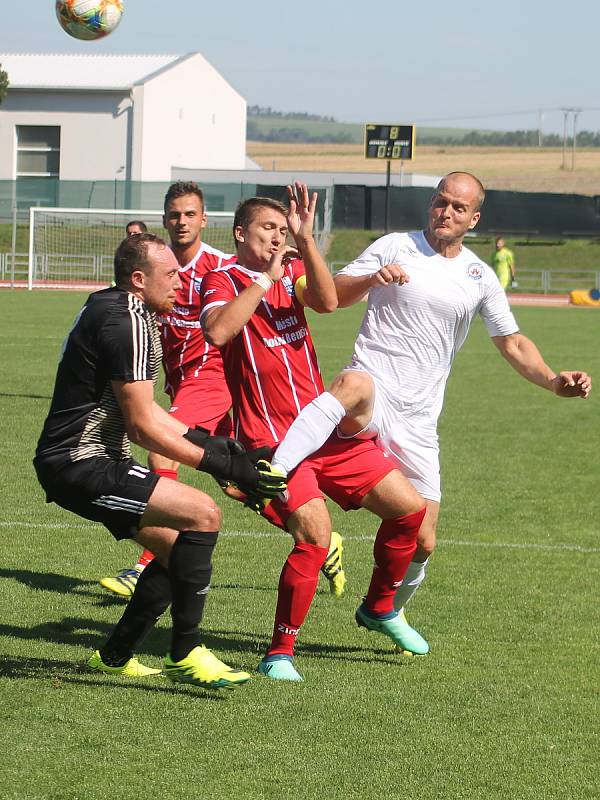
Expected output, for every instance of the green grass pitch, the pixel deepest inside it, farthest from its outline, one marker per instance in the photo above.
(506, 704)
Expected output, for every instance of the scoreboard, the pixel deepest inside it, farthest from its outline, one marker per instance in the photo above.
(390, 142)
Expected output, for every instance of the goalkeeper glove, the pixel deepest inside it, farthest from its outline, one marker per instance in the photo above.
(272, 484)
(225, 459)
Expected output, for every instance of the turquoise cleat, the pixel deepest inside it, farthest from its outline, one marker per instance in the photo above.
(279, 668)
(407, 639)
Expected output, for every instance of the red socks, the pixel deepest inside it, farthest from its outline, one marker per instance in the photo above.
(297, 586)
(147, 557)
(167, 473)
(394, 547)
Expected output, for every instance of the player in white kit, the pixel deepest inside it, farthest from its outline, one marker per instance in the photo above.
(424, 289)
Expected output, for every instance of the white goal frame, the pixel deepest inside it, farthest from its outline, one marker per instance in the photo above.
(51, 265)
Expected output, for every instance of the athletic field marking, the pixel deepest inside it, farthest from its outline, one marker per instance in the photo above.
(575, 548)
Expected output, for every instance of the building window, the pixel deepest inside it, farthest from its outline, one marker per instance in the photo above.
(38, 151)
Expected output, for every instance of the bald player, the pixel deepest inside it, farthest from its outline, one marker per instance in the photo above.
(425, 288)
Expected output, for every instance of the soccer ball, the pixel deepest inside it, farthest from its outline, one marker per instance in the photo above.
(89, 19)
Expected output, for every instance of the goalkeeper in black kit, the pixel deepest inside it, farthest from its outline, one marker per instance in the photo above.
(103, 400)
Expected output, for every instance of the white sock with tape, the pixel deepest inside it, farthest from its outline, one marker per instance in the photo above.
(311, 428)
(413, 578)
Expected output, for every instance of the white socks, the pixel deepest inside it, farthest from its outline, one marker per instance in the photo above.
(414, 577)
(311, 428)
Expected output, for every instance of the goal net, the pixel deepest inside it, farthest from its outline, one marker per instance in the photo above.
(73, 248)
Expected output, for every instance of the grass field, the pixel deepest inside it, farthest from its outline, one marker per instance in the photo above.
(511, 168)
(505, 706)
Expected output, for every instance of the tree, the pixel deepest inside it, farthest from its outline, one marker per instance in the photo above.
(4, 83)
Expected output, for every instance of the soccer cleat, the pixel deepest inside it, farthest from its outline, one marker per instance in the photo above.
(124, 583)
(279, 667)
(397, 628)
(130, 669)
(413, 644)
(332, 568)
(202, 668)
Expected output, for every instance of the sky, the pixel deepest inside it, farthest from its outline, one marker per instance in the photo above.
(503, 65)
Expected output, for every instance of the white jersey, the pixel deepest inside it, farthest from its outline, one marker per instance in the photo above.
(411, 333)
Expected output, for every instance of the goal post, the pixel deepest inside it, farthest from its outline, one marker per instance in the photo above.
(73, 248)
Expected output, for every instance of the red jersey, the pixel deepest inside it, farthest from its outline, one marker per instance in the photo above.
(186, 354)
(270, 366)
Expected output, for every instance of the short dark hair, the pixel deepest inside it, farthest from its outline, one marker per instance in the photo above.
(244, 213)
(180, 189)
(132, 254)
(139, 223)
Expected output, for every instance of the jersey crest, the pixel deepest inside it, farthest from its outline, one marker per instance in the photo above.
(475, 271)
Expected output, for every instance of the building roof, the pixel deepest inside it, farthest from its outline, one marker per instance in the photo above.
(82, 71)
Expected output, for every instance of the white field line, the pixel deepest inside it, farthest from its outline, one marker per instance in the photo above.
(575, 548)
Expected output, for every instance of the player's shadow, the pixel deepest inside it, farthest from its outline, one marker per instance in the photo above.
(59, 672)
(27, 396)
(78, 631)
(236, 641)
(47, 581)
(244, 587)
(359, 655)
(89, 634)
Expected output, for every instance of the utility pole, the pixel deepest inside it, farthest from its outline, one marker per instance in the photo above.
(566, 112)
(564, 148)
(576, 111)
(540, 126)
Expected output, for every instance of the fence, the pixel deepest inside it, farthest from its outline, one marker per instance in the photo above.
(541, 281)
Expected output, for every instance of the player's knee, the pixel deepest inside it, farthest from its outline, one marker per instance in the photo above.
(426, 540)
(311, 524)
(412, 502)
(354, 390)
(207, 517)
(318, 537)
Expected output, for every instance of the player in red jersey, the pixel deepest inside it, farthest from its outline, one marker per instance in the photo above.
(254, 311)
(194, 369)
(195, 380)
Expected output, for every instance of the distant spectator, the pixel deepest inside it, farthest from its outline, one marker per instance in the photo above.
(503, 262)
(135, 226)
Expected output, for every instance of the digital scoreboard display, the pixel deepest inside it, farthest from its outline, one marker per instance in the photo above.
(390, 142)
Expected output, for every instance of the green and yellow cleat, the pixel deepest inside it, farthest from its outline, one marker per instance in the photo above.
(406, 639)
(332, 568)
(122, 584)
(131, 668)
(202, 668)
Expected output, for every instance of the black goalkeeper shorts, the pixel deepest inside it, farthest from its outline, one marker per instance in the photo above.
(113, 492)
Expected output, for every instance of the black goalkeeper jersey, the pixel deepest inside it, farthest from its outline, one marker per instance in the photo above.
(114, 337)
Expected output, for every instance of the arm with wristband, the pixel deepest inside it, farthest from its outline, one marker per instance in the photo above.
(223, 323)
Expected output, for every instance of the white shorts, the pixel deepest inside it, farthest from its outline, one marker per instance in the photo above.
(415, 447)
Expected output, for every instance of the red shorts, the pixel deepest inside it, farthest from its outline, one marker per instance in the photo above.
(202, 402)
(345, 470)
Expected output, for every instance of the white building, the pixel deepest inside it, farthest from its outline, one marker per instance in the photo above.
(117, 117)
